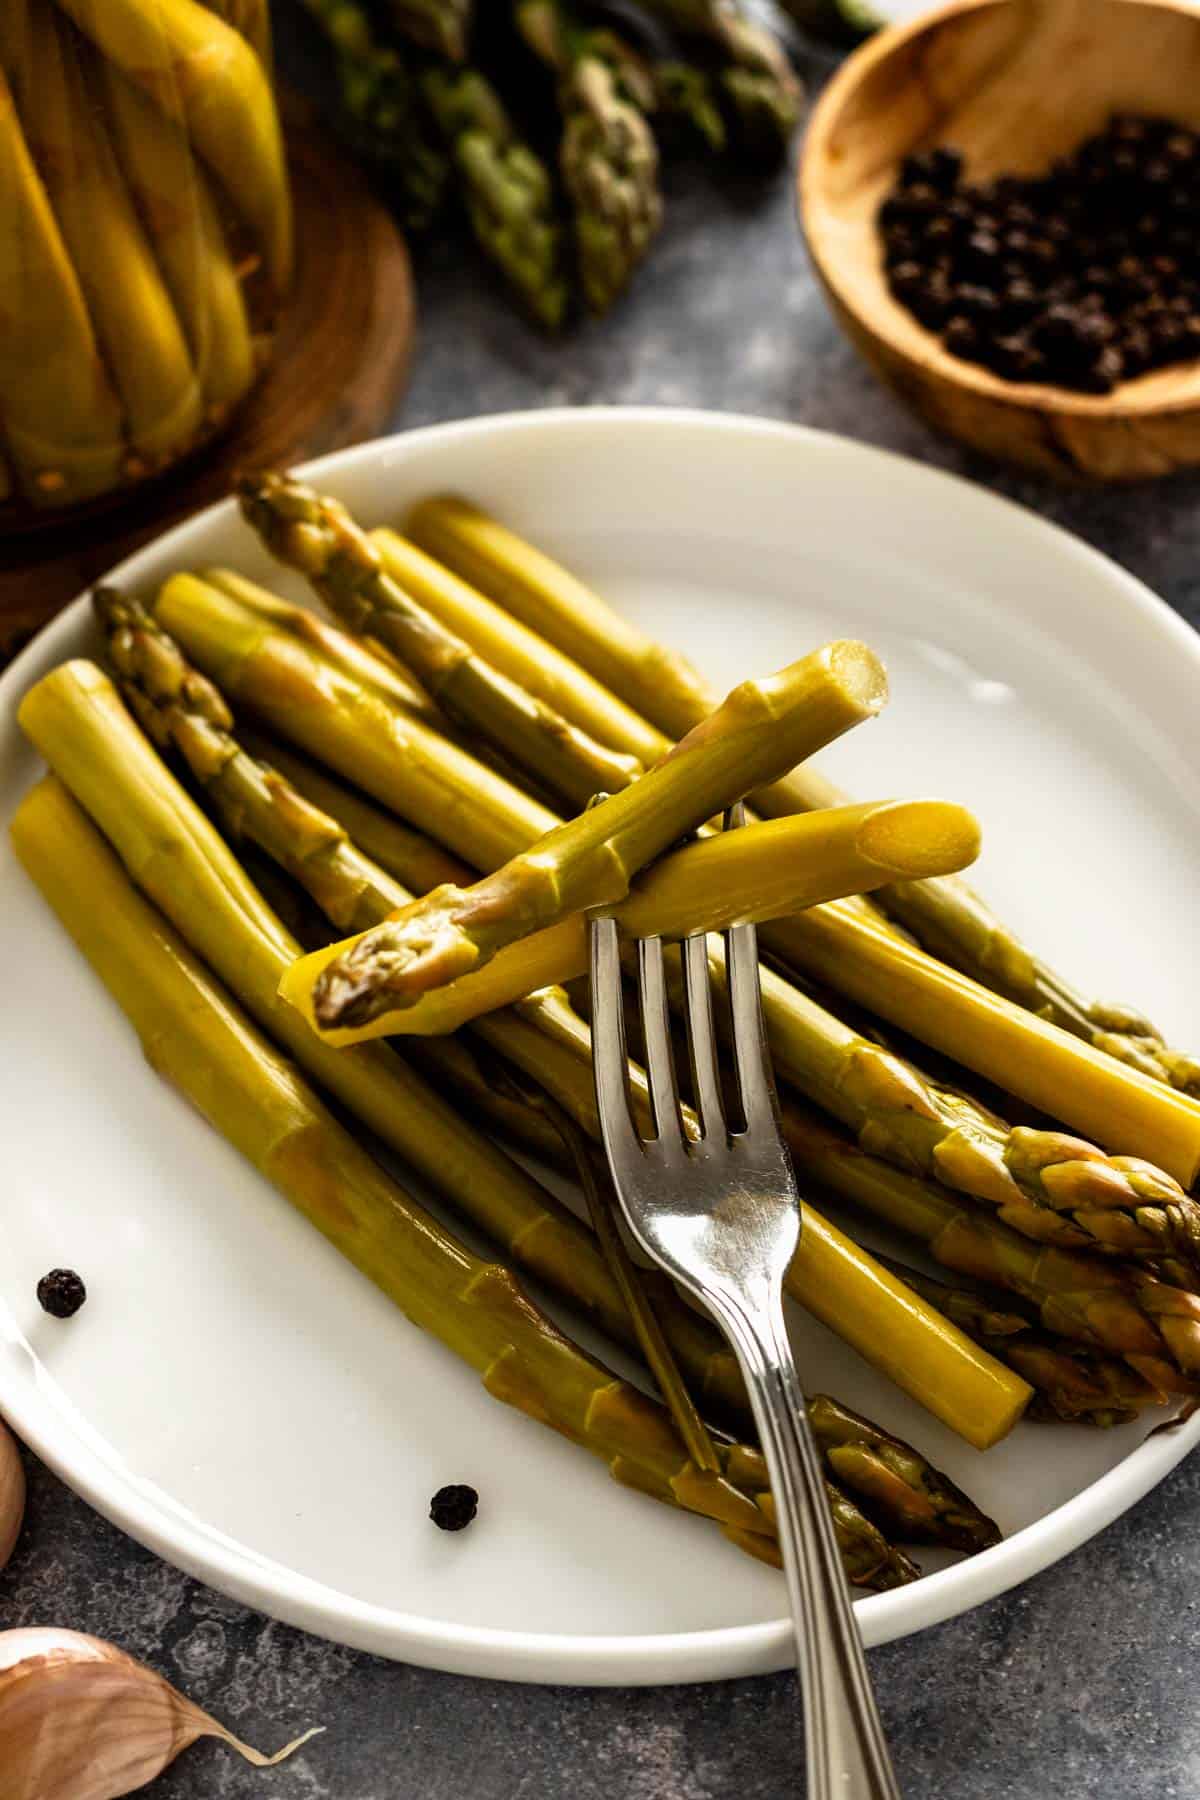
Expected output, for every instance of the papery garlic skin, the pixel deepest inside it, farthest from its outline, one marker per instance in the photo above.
(12, 1493)
(80, 1720)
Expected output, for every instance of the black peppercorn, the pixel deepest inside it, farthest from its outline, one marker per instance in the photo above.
(452, 1508)
(61, 1293)
(1084, 276)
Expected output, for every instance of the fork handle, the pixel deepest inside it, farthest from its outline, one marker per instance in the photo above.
(846, 1752)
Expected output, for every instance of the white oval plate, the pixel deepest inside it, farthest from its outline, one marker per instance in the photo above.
(239, 1399)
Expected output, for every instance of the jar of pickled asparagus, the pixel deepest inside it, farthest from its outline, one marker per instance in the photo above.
(145, 237)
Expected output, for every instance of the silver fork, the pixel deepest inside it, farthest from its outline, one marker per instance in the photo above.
(722, 1215)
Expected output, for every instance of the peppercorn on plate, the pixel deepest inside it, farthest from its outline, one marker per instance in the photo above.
(307, 785)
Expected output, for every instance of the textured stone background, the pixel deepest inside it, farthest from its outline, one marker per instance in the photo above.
(1078, 1684)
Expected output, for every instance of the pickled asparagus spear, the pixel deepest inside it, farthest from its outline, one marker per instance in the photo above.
(1071, 1382)
(1064, 1077)
(951, 921)
(369, 663)
(205, 77)
(763, 872)
(62, 421)
(1110, 1306)
(287, 683)
(945, 915)
(411, 857)
(519, 653)
(195, 1036)
(136, 323)
(761, 728)
(179, 214)
(316, 534)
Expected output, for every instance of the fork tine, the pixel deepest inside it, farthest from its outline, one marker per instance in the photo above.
(749, 1034)
(702, 1037)
(656, 1029)
(609, 1055)
(751, 1057)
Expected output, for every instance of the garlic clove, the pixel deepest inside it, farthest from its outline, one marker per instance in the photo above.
(80, 1720)
(12, 1493)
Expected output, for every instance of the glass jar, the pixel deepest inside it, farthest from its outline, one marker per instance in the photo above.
(145, 236)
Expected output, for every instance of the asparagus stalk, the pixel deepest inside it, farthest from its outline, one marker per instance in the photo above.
(1024, 1055)
(381, 105)
(370, 663)
(552, 1045)
(62, 420)
(195, 1036)
(945, 915)
(181, 221)
(136, 324)
(1053, 1188)
(317, 535)
(608, 158)
(950, 921)
(409, 856)
(529, 660)
(762, 727)
(1071, 1382)
(1112, 1307)
(918, 1502)
(756, 81)
(762, 872)
(293, 688)
(205, 77)
(508, 190)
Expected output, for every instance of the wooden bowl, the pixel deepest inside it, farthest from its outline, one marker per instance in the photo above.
(1013, 84)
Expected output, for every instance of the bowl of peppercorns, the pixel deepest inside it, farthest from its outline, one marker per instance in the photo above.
(1002, 200)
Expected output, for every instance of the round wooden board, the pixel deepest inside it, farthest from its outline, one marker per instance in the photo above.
(339, 366)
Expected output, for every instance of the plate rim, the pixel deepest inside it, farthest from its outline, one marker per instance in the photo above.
(151, 1518)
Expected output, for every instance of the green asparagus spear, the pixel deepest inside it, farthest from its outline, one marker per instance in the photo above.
(290, 685)
(756, 81)
(409, 856)
(687, 109)
(1112, 1307)
(1071, 1382)
(1023, 1055)
(761, 728)
(381, 105)
(915, 1500)
(950, 921)
(607, 157)
(508, 190)
(944, 914)
(442, 26)
(316, 534)
(195, 1036)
